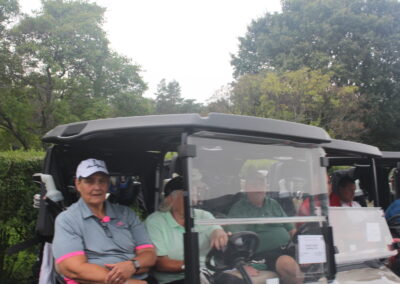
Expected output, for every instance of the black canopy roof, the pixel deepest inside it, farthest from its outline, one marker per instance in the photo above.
(155, 131)
(389, 159)
(343, 148)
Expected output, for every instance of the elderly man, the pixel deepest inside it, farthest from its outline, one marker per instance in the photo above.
(273, 237)
(166, 228)
(99, 242)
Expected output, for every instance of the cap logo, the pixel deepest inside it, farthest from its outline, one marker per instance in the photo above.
(94, 165)
(89, 167)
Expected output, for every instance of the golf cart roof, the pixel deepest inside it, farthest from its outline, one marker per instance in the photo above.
(389, 159)
(390, 155)
(343, 148)
(164, 131)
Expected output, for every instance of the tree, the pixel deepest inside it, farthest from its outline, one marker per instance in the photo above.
(357, 41)
(191, 106)
(220, 101)
(61, 70)
(129, 104)
(303, 96)
(14, 129)
(169, 100)
(168, 97)
(8, 10)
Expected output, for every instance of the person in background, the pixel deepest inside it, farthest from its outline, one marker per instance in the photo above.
(345, 192)
(96, 241)
(166, 228)
(392, 215)
(305, 207)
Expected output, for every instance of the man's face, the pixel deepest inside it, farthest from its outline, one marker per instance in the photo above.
(255, 190)
(176, 200)
(346, 193)
(93, 189)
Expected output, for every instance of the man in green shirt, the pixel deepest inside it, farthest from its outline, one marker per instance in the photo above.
(273, 237)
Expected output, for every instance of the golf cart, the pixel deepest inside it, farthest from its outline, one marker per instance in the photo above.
(361, 235)
(216, 150)
(388, 177)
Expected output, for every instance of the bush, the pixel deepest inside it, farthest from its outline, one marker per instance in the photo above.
(17, 214)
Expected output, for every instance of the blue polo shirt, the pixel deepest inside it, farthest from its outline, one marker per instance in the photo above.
(113, 239)
(393, 209)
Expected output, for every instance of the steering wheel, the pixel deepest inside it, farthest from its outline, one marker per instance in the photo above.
(240, 248)
(394, 225)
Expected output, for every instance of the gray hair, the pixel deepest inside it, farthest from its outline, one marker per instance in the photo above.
(166, 204)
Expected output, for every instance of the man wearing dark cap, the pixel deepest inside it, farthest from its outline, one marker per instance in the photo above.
(99, 242)
(166, 228)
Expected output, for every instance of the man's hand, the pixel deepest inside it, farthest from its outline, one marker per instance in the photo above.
(219, 239)
(120, 272)
(251, 271)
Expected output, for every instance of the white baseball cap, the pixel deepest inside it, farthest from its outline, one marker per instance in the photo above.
(90, 166)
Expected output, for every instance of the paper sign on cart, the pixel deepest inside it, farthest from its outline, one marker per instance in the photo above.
(373, 232)
(311, 249)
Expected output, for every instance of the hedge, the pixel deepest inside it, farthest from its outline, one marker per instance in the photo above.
(17, 215)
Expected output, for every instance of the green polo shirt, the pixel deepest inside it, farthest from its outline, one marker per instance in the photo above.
(167, 235)
(271, 236)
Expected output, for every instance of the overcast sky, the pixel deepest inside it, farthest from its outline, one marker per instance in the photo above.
(184, 40)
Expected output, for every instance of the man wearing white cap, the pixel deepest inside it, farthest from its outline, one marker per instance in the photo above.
(99, 242)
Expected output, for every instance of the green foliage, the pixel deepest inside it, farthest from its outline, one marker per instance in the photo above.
(169, 99)
(303, 96)
(129, 104)
(9, 9)
(221, 100)
(57, 67)
(16, 212)
(356, 41)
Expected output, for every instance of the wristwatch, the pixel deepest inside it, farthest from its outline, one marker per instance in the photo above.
(136, 264)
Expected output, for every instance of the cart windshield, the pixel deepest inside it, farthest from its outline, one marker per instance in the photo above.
(269, 187)
(360, 234)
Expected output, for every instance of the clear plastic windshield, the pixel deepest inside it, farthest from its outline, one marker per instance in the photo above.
(360, 234)
(270, 188)
(223, 171)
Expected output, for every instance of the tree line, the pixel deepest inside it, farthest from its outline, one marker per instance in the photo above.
(57, 67)
(332, 63)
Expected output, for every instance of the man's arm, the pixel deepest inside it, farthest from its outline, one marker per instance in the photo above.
(166, 264)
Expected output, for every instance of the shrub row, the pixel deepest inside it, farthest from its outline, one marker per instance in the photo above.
(17, 215)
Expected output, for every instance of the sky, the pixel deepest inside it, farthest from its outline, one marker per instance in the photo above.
(184, 40)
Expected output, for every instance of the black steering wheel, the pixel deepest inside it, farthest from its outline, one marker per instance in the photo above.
(394, 225)
(240, 248)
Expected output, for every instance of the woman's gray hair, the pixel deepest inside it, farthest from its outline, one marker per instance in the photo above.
(166, 204)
